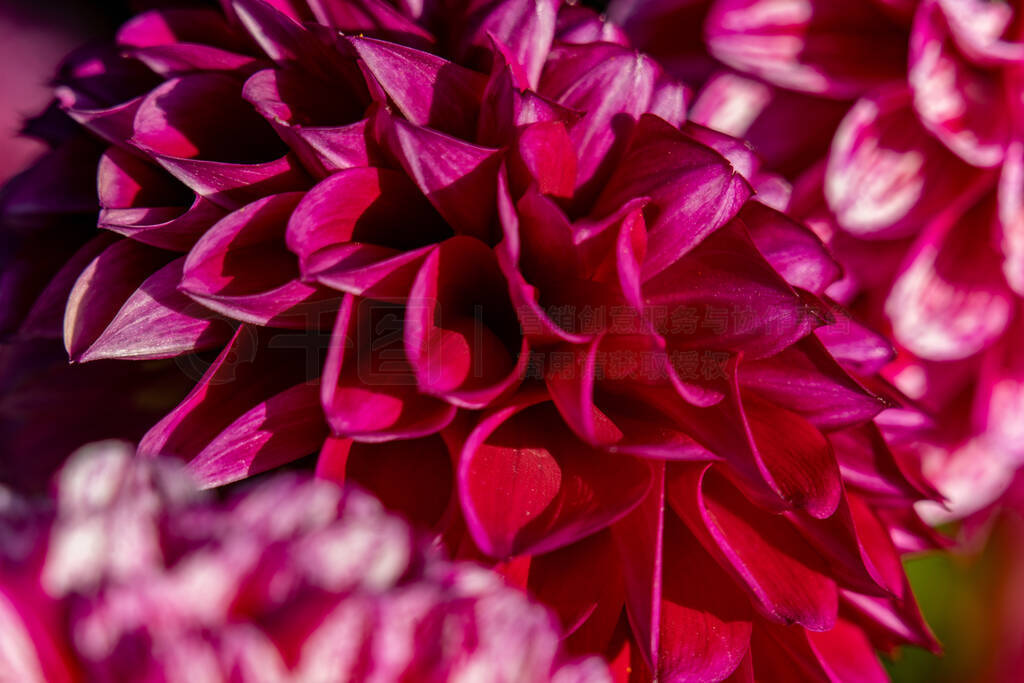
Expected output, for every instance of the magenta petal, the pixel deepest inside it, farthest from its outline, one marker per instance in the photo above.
(805, 379)
(1011, 216)
(285, 427)
(963, 105)
(692, 190)
(737, 300)
(102, 288)
(376, 18)
(791, 248)
(819, 46)
(240, 269)
(1000, 395)
(459, 178)
(528, 485)
(608, 82)
(886, 174)
(279, 35)
(156, 320)
(427, 90)
(232, 159)
(527, 27)
(950, 300)
(856, 347)
(368, 389)
(784, 575)
(245, 373)
(868, 465)
(461, 333)
(113, 124)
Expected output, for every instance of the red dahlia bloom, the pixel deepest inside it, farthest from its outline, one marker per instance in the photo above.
(135, 577)
(561, 330)
(919, 193)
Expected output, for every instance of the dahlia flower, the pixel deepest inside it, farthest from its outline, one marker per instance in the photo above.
(901, 118)
(132, 576)
(562, 327)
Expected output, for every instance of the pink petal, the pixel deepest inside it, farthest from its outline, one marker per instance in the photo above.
(886, 174)
(527, 27)
(950, 300)
(791, 248)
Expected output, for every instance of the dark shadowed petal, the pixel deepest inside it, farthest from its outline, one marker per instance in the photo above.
(847, 655)
(412, 477)
(375, 18)
(241, 269)
(788, 580)
(817, 46)
(528, 485)
(462, 336)
(459, 178)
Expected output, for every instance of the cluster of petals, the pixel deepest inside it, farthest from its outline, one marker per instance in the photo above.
(130, 574)
(475, 257)
(901, 121)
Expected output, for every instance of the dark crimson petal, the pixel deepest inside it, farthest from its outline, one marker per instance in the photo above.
(103, 287)
(961, 104)
(427, 90)
(155, 321)
(232, 159)
(724, 295)
(855, 346)
(527, 485)
(819, 46)
(462, 336)
(588, 603)
(283, 428)
(888, 622)
(459, 178)
(692, 190)
(368, 387)
(46, 317)
(543, 154)
(791, 248)
(247, 372)
(526, 27)
(950, 300)
(282, 38)
(413, 478)
(241, 269)
(781, 652)
(805, 379)
(886, 174)
(786, 578)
